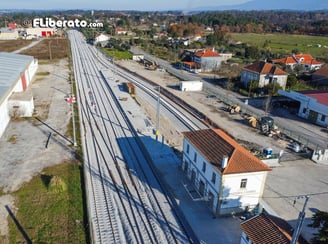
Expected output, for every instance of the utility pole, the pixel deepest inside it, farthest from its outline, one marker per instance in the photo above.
(157, 111)
(50, 54)
(300, 221)
(73, 115)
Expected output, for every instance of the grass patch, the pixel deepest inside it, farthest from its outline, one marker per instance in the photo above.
(45, 73)
(12, 139)
(118, 55)
(40, 62)
(284, 43)
(13, 45)
(49, 49)
(301, 86)
(50, 207)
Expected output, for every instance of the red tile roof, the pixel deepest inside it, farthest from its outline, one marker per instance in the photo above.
(206, 53)
(298, 58)
(267, 229)
(214, 145)
(321, 96)
(262, 67)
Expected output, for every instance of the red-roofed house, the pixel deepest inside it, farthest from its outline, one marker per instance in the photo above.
(267, 229)
(227, 176)
(306, 60)
(202, 60)
(120, 31)
(264, 73)
(207, 59)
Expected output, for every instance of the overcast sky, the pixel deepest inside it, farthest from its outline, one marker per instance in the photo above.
(115, 4)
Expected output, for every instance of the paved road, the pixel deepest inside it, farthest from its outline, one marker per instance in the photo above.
(32, 44)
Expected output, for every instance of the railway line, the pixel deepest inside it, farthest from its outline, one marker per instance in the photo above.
(183, 113)
(127, 203)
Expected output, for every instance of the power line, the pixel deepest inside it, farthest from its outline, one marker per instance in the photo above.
(282, 197)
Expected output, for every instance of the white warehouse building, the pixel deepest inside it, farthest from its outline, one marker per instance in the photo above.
(16, 73)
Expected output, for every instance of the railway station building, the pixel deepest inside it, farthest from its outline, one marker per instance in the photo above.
(16, 100)
(226, 175)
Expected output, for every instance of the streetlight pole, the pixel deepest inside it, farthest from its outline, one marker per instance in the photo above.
(50, 54)
(73, 115)
(300, 221)
(158, 111)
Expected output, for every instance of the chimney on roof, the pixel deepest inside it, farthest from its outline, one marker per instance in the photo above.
(224, 162)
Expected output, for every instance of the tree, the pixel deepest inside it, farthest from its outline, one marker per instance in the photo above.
(291, 81)
(253, 87)
(320, 220)
(252, 52)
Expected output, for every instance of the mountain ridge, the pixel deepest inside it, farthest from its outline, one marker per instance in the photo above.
(295, 5)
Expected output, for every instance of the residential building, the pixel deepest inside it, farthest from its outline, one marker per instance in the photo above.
(267, 229)
(201, 60)
(102, 39)
(120, 31)
(264, 73)
(305, 60)
(225, 56)
(227, 176)
(207, 59)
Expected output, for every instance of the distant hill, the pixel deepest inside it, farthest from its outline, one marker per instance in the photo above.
(300, 5)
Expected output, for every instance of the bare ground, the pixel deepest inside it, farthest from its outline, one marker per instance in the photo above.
(23, 145)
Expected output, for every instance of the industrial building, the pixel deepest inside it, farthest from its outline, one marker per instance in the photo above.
(8, 34)
(39, 32)
(16, 73)
(313, 105)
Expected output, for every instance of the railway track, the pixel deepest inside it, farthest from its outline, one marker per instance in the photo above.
(126, 201)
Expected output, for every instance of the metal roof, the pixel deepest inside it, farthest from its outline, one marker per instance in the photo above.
(11, 67)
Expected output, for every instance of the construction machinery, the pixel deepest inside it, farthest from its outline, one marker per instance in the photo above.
(265, 124)
(151, 65)
(234, 109)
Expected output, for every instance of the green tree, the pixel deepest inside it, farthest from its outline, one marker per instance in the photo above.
(291, 81)
(210, 40)
(320, 220)
(252, 52)
(253, 87)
